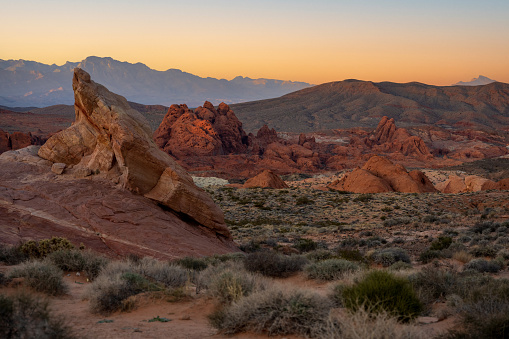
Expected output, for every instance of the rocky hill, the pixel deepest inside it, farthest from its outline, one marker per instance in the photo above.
(29, 83)
(354, 103)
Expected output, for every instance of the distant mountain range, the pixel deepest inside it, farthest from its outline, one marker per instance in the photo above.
(354, 103)
(481, 80)
(29, 83)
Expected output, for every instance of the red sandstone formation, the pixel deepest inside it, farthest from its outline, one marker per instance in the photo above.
(472, 183)
(110, 144)
(388, 138)
(204, 132)
(266, 179)
(381, 175)
(17, 140)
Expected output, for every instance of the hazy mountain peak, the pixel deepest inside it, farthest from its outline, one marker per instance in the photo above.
(135, 81)
(480, 80)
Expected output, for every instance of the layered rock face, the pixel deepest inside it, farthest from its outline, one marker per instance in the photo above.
(266, 179)
(110, 137)
(37, 204)
(204, 132)
(381, 175)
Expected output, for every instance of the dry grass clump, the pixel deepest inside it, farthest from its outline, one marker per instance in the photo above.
(78, 261)
(275, 312)
(120, 280)
(462, 256)
(41, 248)
(228, 282)
(41, 276)
(273, 264)
(330, 269)
(27, 316)
(364, 324)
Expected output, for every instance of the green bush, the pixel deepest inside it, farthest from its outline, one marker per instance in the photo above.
(41, 248)
(330, 269)
(484, 251)
(26, 316)
(380, 291)
(351, 255)
(273, 264)
(305, 245)
(12, 255)
(304, 200)
(430, 255)
(78, 261)
(41, 276)
(441, 243)
(319, 255)
(388, 256)
(275, 312)
(363, 198)
(196, 264)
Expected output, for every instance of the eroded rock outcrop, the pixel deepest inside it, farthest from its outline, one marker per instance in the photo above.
(110, 137)
(388, 138)
(471, 183)
(204, 132)
(381, 175)
(17, 140)
(266, 179)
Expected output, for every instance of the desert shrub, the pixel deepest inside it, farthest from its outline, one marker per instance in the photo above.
(305, 245)
(12, 255)
(399, 266)
(330, 269)
(396, 221)
(484, 251)
(196, 264)
(319, 255)
(304, 200)
(41, 248)
(78, 261)
(41, 276)
(120, 280)
(352, 255)
(482, 265)
(363, 197)
(364, 324)
(430, 255)
(222, 258)
(229, 282)
(381, 291)
(441, 244)
(163, 272)
(3, 279)
(251, 246)
(27, 316)
(275, 312)
(273, 264)
(432, 283)
(388, 256)
(484, 226)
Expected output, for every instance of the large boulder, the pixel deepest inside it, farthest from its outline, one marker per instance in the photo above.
(381, 175)
(110, 137)
(37, 204)
(266, 179)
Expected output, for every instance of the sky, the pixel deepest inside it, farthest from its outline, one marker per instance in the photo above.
(435, 42)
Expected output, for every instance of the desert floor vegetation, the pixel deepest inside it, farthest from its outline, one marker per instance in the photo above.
(332, 265)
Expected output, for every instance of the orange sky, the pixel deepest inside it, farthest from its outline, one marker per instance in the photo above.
(436, 42)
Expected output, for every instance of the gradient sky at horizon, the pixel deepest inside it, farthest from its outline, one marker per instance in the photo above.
(435, 42)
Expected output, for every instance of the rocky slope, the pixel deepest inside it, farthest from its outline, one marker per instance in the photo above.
(117, 187)
(354, 103)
